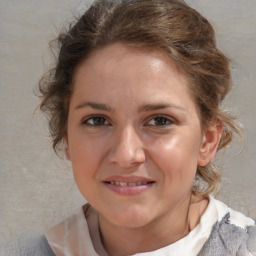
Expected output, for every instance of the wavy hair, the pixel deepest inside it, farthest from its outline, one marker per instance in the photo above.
(168, 25)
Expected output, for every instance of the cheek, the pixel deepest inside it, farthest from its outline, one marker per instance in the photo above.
(85, 157)
(84, 165)
(176, 156)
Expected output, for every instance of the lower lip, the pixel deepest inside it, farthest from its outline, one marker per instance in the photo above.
(129, 190)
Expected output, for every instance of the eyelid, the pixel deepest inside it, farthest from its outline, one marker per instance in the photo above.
(168, 118)
(87, 118)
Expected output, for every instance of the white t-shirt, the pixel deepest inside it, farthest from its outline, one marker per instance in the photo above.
(79, 235)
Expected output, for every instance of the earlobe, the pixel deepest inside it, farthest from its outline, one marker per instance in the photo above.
(210, 142)
(67, 152)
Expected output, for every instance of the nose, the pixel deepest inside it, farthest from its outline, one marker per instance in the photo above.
(127, 150)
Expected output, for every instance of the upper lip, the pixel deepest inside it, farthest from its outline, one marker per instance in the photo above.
(127, 179)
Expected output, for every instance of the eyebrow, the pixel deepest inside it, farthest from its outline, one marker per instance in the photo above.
(143, 108)
(152, 107)
(94, 105)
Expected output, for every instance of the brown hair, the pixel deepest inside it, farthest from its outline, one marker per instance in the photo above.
(168, 25)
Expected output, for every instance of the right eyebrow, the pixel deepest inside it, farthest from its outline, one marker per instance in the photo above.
(159, 106)
(94, 105)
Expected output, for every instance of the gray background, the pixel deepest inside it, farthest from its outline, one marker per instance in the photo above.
(36, 188)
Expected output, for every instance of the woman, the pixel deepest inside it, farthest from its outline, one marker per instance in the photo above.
(134, 100)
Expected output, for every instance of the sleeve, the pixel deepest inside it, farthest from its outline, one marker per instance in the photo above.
(27, 245)
(252, 240)
(229, 239)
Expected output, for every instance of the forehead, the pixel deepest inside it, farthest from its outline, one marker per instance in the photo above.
(112, 58)
(120, 76)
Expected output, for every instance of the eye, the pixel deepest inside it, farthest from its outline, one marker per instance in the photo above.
(95, 121)
(159, 121)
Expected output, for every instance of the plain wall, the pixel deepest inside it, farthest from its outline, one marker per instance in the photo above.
(36, 187)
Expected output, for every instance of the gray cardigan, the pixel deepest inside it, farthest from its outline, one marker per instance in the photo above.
(225, 240)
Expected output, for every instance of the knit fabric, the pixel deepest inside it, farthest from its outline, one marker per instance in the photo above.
(233, 234)
(227, 239)
(28, 244)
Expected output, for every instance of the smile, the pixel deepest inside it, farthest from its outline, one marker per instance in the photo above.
(124, 184)
(128, 186)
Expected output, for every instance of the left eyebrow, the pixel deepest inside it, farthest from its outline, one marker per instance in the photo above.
(152, 107)
(94, 105)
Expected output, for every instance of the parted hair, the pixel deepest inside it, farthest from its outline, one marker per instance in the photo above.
(168, 25)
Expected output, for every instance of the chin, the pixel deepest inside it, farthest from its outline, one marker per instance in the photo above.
(130, 218)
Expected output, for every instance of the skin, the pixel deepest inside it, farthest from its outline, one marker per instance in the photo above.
(132, 117)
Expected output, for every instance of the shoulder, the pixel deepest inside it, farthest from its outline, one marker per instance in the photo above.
(76, 234)
(233, 234)
(28, 244)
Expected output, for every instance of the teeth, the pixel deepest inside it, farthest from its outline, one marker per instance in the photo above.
(123, 184)
(132, 184)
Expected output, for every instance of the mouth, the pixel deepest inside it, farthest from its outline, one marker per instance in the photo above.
(128, 185)
(125, 184)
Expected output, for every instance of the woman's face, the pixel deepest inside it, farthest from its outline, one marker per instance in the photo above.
(134, 135)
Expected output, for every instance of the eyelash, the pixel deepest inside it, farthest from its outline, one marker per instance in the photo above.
(164, 121)
(95, 118)
(102, 121)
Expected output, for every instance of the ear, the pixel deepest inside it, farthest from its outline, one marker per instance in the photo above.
(67, 151)
(210, 142)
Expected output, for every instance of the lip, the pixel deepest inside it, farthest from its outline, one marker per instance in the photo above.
(128, 185)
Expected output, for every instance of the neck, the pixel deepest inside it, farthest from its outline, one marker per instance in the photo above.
(163, 231)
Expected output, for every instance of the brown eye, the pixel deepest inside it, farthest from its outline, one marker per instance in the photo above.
(96, 121)
(160, 121)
